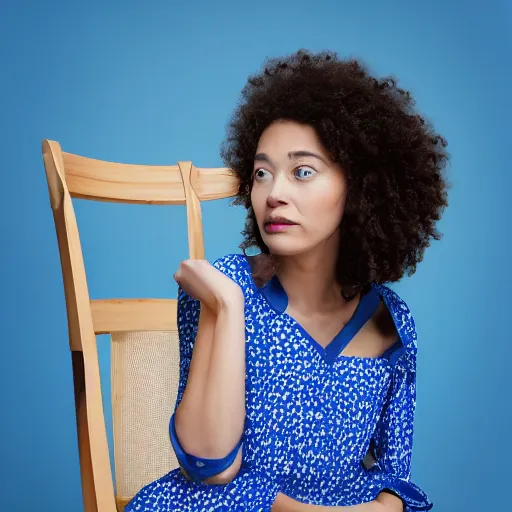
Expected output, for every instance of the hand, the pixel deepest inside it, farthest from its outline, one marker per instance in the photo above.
(202, 281)
(385, 502)
(284, 503)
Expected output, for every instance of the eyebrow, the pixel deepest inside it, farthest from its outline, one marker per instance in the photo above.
(292, 154)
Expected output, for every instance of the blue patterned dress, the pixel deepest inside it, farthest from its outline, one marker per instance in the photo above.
(312, 414)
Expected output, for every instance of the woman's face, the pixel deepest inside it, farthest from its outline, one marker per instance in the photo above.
(298, 193)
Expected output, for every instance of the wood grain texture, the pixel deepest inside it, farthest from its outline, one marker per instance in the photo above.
(118, 315)
(88, 178)
(194, 217)
(214, 183)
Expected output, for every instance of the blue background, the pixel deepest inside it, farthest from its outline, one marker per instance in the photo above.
(155, 82)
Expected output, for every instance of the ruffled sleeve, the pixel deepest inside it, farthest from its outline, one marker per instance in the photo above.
(188, 320)
(393, 439)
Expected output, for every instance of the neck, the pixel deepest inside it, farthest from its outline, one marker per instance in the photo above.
(309, 279)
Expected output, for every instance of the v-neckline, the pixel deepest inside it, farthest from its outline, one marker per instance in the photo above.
(368, 303)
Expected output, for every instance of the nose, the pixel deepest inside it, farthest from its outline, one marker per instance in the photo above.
(277, 195)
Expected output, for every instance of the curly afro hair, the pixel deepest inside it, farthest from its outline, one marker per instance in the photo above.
(393, 159)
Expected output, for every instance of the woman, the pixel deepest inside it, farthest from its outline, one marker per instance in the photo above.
(297, 387)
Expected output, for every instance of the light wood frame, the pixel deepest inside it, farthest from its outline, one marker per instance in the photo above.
(69, 175)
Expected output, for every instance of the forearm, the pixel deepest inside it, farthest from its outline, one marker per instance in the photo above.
(210, 419)
(224, 398)
(284, 503)
(385, 502)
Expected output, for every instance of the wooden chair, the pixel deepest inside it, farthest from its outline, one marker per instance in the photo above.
(144, 339)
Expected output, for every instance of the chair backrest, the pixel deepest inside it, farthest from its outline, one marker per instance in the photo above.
(144, 347)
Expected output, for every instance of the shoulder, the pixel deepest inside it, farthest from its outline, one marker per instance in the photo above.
(403, 320)
(237, 268)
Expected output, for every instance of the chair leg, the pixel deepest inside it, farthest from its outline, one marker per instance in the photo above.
(88, 491)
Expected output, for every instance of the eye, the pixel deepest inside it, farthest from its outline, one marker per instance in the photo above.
(261, 174)
(303, 173)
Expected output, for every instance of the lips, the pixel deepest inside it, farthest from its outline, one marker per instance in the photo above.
(279, 220)
(278, 224)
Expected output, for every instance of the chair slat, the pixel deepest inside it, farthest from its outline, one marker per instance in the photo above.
(119, 315)
(88, 178)
(214, 183)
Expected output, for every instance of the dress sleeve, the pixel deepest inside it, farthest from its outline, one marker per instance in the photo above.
(393, 439)
(196, 468)
(188, 321)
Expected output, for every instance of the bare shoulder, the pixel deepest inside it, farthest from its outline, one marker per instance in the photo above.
(384, 323)
(381, 332)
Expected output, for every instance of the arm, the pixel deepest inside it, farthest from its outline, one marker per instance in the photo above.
(394, 440)
(210, 417)
(208, 422)
(390, 487)
(385, 502)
